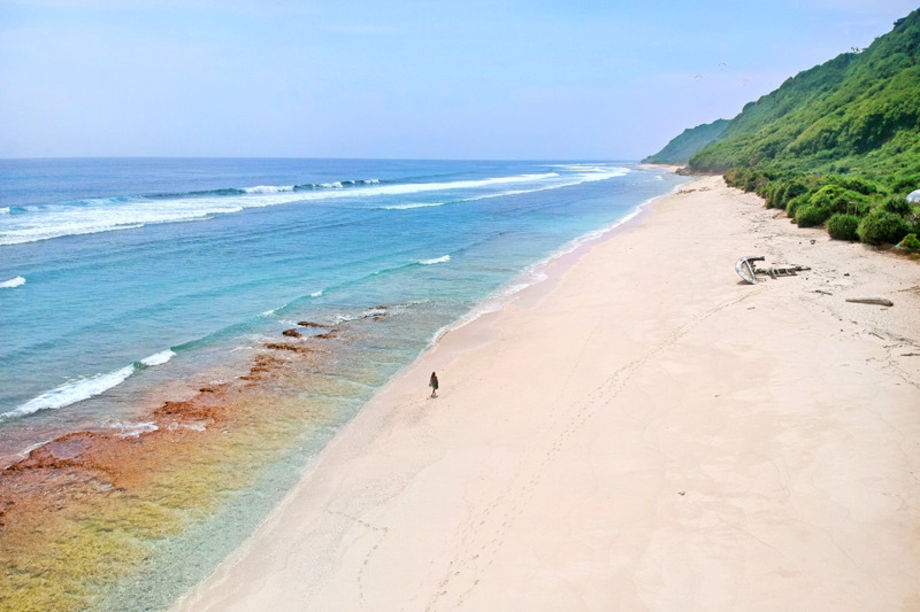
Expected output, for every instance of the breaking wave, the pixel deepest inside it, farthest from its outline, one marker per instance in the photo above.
(436, 260)
(411, 206)
(72, 392)
(158, 358)
(13, 282)
(269, 189)
(120, 213)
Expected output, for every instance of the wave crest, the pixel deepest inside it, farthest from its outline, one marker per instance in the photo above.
(158, 358)
(411, 206)
(13, 282)
(72, 392)
(436, 260)
(269, 189)
(111, 214)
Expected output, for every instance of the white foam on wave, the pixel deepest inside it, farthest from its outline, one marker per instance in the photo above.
(4, 210)
(55, 221)
(332, 185)
(269, 189)
(317, 293)
(411, 206)
(376, 189)
(436, 260)
(585, 177)
(602, 173)
(13, 282)
(158, 358)
(72, 392)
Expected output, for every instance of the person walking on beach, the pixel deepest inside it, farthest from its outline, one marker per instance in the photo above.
(433, 383)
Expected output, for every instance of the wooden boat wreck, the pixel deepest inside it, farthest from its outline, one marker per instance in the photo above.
(747, 270)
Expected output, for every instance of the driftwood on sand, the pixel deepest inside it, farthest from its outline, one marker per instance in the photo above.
(878, 301)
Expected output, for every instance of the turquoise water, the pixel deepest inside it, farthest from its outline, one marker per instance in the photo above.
(124, 283)
(110, 268)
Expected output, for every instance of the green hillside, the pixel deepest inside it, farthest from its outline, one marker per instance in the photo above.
(688, 143)
(837, 145)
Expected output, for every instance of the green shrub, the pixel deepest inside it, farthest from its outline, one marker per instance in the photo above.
(780, 191)
(809, 216)
(897, 205)
(910, 242)
(881, 226)
(913, 220)
(905, 182)
(794, 204)
(843, 227)
(773, 193)
(835, 198)
(857, 184)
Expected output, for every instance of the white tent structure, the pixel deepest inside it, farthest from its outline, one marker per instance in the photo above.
(914, 196)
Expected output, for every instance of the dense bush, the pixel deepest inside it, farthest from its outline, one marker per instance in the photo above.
(794, 204)
(913, 220)
(778, 193)
(905, 181)
(837, 199)
(911, 243)
(882, 227)
(810, 215)
(859, 185)
(897, 205)
(843, 227)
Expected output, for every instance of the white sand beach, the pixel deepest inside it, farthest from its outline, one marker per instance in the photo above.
(639, 431)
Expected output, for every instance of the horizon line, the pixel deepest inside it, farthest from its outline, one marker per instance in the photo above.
(292, 157)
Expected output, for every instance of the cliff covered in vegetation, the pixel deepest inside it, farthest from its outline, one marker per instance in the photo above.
(836, 145)
(689, 142)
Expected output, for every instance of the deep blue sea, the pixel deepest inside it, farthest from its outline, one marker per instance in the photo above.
(116, 270)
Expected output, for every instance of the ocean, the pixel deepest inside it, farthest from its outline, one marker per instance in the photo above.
(126, 283)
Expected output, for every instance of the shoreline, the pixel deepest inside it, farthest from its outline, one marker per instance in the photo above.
(216, 374)
(499, 494)
(126, 499)
(559, 261)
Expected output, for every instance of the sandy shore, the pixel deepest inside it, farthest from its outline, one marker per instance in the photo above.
(640, 431)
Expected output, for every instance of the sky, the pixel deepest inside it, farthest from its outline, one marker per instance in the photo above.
(480, 79)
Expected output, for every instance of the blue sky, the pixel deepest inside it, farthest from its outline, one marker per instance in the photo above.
(479, 79)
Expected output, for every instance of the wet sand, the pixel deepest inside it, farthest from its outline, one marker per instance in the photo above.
(640, 431)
